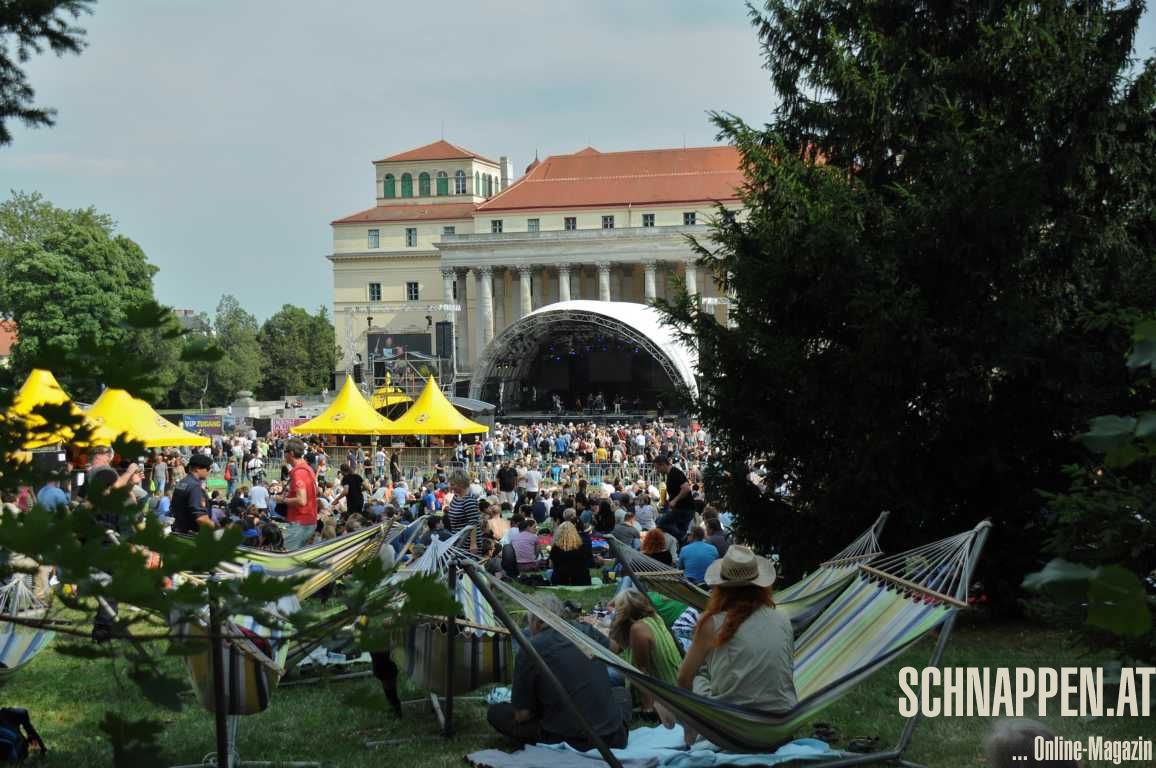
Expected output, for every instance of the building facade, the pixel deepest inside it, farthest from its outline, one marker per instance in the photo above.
(455, 248)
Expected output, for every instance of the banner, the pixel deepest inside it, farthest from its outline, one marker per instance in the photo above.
(281, 427)
(205, 425)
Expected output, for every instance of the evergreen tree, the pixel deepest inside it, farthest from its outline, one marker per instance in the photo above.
(948, 232)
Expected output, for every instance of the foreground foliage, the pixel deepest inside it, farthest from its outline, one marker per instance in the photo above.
(949, 236)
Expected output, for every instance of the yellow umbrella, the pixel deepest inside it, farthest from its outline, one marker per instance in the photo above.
(348, 414)
(384, 397)
(41, 388)
(433, 414)
(116, 413)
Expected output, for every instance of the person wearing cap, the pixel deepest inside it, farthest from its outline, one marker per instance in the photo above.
(743, 649)
(189, 507)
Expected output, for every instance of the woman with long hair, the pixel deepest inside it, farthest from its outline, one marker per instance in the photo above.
(655, 546)
(743, 649)
(639, 635)
(569, 557)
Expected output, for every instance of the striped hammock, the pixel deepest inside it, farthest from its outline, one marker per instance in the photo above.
(483, 652)
(20, 643)
(256, 656)
(801, 602)
(886, 608)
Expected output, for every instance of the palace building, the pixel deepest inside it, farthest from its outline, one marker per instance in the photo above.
(533, 286)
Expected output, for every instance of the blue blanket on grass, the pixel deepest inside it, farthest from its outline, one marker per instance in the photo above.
(658, 747)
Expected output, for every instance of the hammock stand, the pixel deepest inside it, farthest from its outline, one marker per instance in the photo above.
(932, 579)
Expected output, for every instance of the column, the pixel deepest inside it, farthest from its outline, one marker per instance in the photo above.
(463, 331)
(649, 292)
(485, 306)
(524, 273)
(604, 281)
(499, 301)
(448, 286)
(538, 292)
(563, 282)
(691, 279)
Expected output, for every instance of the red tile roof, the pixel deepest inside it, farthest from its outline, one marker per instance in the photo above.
(438, 150)
(9, 334)
(417, 212)
(590, 178)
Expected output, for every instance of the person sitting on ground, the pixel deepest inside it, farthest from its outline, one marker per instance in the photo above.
(654, 546)
(743, 649)
(627, 532)
(715, 536)
(569, 558)
(272, 540)
(697, 556)
(436, 531)
(604, 519)
(640, 636)
(496, 525)
(525, 543)
(537, 713)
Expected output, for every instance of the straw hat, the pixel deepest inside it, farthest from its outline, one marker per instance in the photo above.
(740, 568)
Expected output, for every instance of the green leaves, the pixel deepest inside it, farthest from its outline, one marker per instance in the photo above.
(1115, 597)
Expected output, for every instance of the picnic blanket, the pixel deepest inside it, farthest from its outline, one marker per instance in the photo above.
(655, 747)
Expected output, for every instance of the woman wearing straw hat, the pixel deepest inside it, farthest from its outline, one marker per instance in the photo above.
(743, 649)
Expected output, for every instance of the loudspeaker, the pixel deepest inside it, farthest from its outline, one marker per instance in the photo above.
(444, 334)
(357, 373)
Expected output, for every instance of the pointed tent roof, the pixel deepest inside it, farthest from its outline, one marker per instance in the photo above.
(433, 414)
(348, 414)
(117, 414)
(39, 389)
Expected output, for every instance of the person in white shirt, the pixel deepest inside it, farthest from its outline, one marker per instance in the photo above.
(259, 495)
(533, 480)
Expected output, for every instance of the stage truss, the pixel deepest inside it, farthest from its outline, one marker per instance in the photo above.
(509, 356)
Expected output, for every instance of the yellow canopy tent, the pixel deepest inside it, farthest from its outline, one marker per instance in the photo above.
(349, 414)
(116, 413)
(41, 388)
(433, 414)
(387, 396)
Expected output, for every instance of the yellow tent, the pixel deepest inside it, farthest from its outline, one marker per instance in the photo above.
(116, 413)
(41, 388)
(348, 414)
(384, 397)
(433, 414)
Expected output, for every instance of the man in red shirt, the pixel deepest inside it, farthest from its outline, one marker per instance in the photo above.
(300, 497)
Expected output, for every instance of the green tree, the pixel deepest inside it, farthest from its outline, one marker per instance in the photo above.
(948, 230)
(298, 352)
(25, 29)
(78, 292)
(234, 330)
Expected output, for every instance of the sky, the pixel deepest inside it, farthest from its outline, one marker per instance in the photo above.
(223, 137)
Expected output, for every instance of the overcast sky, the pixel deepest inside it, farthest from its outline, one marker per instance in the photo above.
(225, 136)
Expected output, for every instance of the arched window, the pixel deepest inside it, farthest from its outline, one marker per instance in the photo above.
(477, 184)
(489, 182)
(389, 186)
(406, 185)
(443, 183)
(423, 185)
(460, 183)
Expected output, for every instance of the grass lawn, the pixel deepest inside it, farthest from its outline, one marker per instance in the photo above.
(329, 722)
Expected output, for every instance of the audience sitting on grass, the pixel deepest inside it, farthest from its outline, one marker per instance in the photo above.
(654, 545)
(697, 556)
(743, 649)
(569, 558)
(525, 544)
(538, 714)
(627, 532)
(640, 636)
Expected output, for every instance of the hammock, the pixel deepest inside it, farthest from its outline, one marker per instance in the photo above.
(884, 611)
(254, 665)
(483, 653)
(20, 643)
(801, 602)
